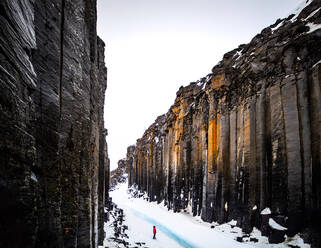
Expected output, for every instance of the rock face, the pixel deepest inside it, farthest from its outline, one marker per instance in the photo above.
(119, 175)
(54, 164)
(246, 137)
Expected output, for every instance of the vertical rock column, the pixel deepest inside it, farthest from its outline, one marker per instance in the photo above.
(18, 181)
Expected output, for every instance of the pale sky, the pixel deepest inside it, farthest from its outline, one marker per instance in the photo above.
(155, 46)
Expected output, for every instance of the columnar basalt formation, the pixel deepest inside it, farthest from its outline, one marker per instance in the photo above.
(54, 161)
(246, 137)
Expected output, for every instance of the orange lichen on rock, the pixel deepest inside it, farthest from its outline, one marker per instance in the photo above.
(179, 110)
(218, 80)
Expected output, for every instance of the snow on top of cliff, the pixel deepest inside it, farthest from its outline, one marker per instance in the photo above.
(277, 26)
(299, 9)
(276, 226)
(203, 82)
(238, 55)
(296, 12)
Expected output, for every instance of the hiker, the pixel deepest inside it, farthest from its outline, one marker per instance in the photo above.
(154, 232)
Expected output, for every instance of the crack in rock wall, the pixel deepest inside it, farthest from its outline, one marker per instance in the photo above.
(246, 137)
(54, 174)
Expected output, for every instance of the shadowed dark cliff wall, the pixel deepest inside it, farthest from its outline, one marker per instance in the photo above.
(246, 137)
(54, 161)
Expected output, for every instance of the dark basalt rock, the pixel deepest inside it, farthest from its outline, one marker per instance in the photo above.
(276, 236)
(246, 137)
(239, 239)
(118, 175)
(255, 240)
(54, 162)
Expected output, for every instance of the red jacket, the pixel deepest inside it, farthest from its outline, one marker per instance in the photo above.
(154, 230)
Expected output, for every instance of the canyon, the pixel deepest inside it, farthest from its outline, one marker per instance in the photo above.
(243, 142)
(54, 174)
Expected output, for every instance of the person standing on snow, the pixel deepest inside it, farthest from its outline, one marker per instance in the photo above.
(154, 232)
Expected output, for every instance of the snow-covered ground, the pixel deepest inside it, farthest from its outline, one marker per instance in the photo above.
(178, 229)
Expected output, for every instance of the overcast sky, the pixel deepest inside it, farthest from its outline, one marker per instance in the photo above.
(155, 46)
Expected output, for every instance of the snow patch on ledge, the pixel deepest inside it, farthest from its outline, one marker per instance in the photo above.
(266, 211)
(277, 26)
(313, 27)
(238, 55)
(276, 226)
(33, 177)
(312, 14)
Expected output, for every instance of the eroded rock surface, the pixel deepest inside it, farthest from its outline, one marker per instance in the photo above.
(118, 175)
(246, 137)
(54, 161)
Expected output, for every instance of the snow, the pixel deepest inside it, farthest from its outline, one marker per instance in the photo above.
(232, 223)
(173, 230)
(192, 105)
(266, 211)
(156, 139)
(254, 208)
(277, 26)
(33, 177)
(204, 85)
(276, 226)
(238, 55)
(312, 14)
(316, 64)
(177, 230)
(298, 10)
(313, 27)
(296, 241)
